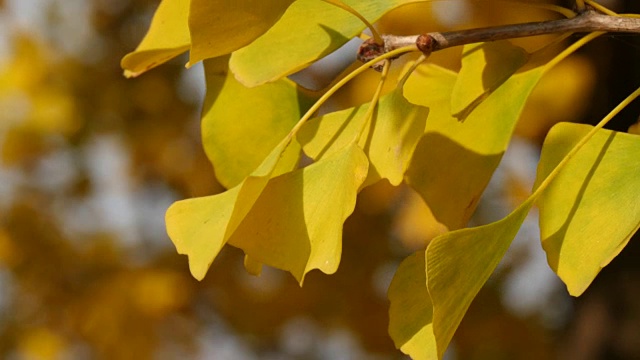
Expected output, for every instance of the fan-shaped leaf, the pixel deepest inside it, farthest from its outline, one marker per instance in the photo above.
(485, 66)
(219, 27)
(296, 224)
(454, 161)
(458, 264)
(590, 211)
(411, 310)
(167, 37)
(199, 227)
(309, 30)
(241, 125)
(388, 139)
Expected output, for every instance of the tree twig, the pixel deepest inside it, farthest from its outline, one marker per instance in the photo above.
(588, 21)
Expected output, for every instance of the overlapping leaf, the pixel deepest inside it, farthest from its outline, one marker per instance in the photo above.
(455, 159)
(241, 125)
(411, 310)
(498, 61)
(200, 227)
(458, 264)
(389, 137)
(167, 37)
(590, 211)
(296, 224)
(308, 30)
(219, 27)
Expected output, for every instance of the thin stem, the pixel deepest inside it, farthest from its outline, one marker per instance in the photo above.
(342, 82)
(348, 8)
(573, 47)
(580, 5)
(583, 141)
(600, 8)
(374, 101)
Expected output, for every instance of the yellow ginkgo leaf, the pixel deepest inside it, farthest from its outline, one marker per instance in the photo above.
(455, 159)
(590, 211)
(296, 224)
(498, 61)
(241, 125)
(388, 138)
(200, 227)
(167, 37)
(309, 30)
(219, 27)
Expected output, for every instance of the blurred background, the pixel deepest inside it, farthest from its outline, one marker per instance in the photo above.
(89, 162)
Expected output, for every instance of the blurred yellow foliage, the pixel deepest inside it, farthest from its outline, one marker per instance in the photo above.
(41, 344)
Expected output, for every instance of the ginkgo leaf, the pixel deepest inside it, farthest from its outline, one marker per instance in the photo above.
(389, 137)
(426, 311)
(591, 210)
(296, 224)
(454, 161)
(309, 30)
(458, 265)
(411, 310)
(498, 61)
(219, 27)
(200, 227)
(241, 125)
(167, 37)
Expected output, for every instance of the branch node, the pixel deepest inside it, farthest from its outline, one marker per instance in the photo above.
(426, 43)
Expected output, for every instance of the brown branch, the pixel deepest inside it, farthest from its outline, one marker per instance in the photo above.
(588, 21)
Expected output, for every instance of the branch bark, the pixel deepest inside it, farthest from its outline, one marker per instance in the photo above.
(588, 21)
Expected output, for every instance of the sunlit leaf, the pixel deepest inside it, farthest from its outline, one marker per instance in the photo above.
(426, 311)
(458, 265)
(591, 210)
(167, 37)
(308, 30)
(219, 27)
(411, 310)
(200, 227)
(296, 224)
(389, 138)
(454, 161)
(497, 62)
(240, 125)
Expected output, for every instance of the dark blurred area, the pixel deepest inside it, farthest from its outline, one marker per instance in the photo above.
(89, 162)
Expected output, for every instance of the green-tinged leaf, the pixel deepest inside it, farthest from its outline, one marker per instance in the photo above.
(199, 227)
(389, 138)
(454, 161)
(411, 311)
(167, 37)
(241, 125)
(309, 30)
(296, 224)
(592, 208)
(497, 61)
(219, 27)
(458, 265)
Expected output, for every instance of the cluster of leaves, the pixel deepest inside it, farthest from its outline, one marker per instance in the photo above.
(443, 133)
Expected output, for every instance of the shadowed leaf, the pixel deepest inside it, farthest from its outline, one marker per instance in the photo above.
(455, 160)
(389, 138)
(410, 309)
(309, 30)
(591, 210)
(200, 227)
(296, 224)
(241, 125)
(219, 27)
(497, 60)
